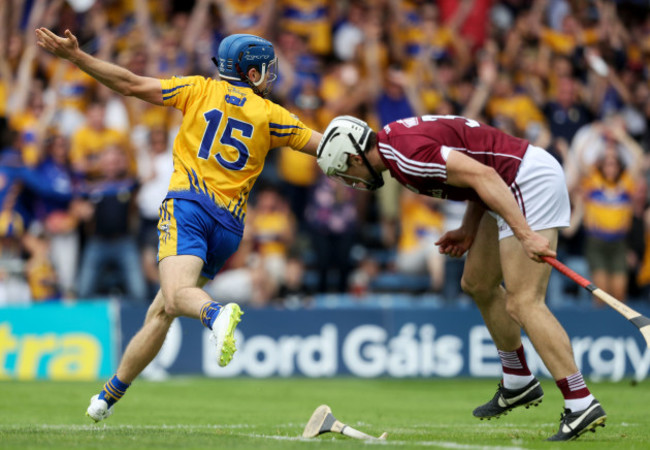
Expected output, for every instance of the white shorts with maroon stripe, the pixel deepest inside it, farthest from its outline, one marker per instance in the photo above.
(541, 193)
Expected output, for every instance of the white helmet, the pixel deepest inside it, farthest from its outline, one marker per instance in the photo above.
(344, 136)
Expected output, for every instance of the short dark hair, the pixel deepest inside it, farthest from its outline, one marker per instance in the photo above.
(371, 143)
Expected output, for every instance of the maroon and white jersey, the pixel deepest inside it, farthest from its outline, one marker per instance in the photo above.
(415, 152)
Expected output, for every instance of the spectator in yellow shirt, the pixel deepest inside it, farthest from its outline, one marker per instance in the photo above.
(90, 140)
(421, 226)
(517, 106)
(607, 192)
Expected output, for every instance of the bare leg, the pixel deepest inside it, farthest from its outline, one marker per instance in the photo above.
(146, 343)
(180, 276)
(180, 294)
(526, 283)
(482, 281)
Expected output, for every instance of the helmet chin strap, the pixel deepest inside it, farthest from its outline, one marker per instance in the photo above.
(253, 86)
(244, 78)
(377, 180)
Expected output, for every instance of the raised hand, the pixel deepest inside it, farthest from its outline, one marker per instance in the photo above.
(63, 47)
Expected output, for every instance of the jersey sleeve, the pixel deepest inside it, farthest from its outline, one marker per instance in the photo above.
(286, 129)
(179, 92)
(45, 187)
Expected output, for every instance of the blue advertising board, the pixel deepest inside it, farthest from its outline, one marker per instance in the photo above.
(57, 341)
(74, 342)
(406, 342)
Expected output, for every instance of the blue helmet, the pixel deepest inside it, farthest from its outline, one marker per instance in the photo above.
(240, 52)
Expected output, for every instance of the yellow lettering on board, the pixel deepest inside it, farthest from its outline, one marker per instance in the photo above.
(8, 344)
(78, 359)
(32, 349)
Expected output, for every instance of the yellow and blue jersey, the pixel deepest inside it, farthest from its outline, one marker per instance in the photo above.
(418, 219)
(608, 205)
(246, 15)
(226, 133)
(270, 227)
(309, 18)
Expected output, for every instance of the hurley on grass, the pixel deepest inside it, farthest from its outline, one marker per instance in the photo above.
(265, 414)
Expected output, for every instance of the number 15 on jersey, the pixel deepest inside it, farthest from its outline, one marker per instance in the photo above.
(213, 119)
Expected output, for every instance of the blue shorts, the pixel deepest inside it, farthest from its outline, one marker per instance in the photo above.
(185, 228)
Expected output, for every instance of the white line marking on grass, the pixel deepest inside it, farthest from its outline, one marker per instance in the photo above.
(109, 427)
(440, 444)
(106, 426)
(485, 432)
(443, 444)
(275, 437)
(480, 425)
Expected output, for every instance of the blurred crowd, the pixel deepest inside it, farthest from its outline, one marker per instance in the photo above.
(83, 170)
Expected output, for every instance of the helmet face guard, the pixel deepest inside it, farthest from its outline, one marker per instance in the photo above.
(356, 182)
(347, 136)
(270, 72)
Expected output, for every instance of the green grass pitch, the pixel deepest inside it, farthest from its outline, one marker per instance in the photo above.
(246, 413)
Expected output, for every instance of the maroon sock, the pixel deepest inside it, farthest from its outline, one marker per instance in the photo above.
(573, 387)
(514, 363)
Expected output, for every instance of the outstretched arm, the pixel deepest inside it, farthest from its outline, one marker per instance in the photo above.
(312, 144)
(115, 77)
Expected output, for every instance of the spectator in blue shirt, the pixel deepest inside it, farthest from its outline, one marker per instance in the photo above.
(110, 241)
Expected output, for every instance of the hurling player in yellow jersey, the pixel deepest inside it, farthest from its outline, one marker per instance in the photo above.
(228, 128)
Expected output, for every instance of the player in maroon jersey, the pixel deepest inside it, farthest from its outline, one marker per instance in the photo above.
(517, 201)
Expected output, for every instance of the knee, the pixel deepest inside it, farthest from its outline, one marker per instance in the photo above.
(158, 310)
(478, 290)
(169, 307)
(166, 316)
(467, 286)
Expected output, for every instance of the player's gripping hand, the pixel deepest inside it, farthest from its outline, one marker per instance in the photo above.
(536, 245)
(63, 47)
(455, 242)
